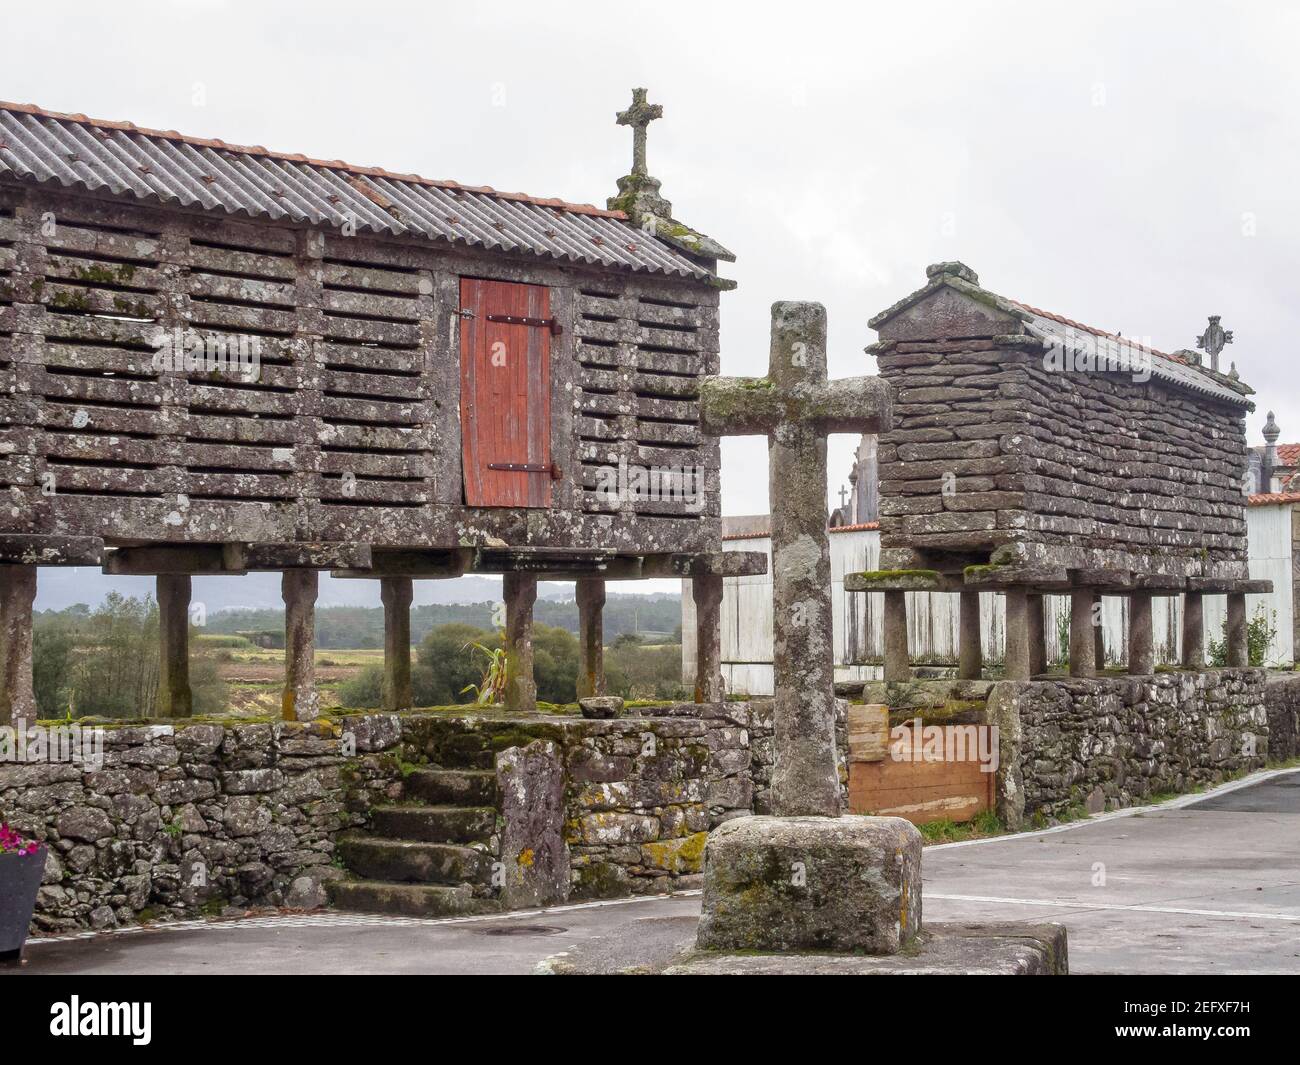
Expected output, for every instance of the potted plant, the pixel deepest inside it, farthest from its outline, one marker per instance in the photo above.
(22, 866)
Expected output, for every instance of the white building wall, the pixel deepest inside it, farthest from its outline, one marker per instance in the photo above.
(933, 619)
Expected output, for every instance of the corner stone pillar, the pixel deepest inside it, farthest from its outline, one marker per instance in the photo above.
(897, 665)
(1238, 644)
(707, 593)
(395, 593)
(520, 593)
(590, 594)
(1083, 642)
(1193, 631)
(1037, 635)
(1018, 654)
(1141, 640)
(175, 698)
(17, 593)
(970, 652)
(301, 701)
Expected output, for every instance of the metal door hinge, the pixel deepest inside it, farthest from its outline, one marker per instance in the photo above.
(539, 323)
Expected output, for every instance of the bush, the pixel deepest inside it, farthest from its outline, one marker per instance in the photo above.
(364, 690)
(1260, 631)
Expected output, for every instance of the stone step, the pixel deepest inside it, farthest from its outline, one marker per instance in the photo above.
(408, 900)
(434, 824)
(453, 787)
(410, 861)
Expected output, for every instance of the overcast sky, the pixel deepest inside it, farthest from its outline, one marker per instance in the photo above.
(1132, 166)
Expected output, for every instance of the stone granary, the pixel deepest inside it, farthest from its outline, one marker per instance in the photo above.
(1032, 454)
(217, 359)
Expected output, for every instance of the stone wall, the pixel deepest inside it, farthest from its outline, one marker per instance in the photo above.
(1282, 704)
(191, 819)
(1112, 742)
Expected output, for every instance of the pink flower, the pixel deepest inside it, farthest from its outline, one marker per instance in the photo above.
(11, 841)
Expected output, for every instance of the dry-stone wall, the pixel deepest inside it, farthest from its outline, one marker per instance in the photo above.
(195, 818)
(1112, 742)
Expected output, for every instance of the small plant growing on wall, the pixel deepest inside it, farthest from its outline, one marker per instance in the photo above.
(1260, 631)
(492, 688)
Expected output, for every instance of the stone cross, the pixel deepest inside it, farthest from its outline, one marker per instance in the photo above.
(1214, 340)
(844, 496)
(639, 116)
(795, 407)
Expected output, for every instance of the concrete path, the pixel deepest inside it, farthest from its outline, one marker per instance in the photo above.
(1202, 884)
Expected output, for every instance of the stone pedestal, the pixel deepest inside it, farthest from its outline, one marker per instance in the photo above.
(1141, 645)
(706, 591)
(1098, 634)
(301, 701)
(1037, 635)
(970, 653)
(396, 594)
(1193, 631)
(1238, 643)
(1018, 654)
(898, 669)
(520, 592)
(1083, 643)
(838, 884)
(17, 593)
(174, 695)
(590, 595)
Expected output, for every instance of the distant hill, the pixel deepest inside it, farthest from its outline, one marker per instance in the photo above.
(655, 617)
(58, 589)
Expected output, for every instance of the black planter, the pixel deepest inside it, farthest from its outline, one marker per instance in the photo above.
(20, 878)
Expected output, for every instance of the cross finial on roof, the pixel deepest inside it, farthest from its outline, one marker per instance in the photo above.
(1214, 340)
(844, 495)
(639, 116)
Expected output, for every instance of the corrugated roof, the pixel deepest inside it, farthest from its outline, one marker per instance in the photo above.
(166, 167)
(1265, 499)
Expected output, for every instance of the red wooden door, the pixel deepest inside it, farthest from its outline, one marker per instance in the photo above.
(505, 394)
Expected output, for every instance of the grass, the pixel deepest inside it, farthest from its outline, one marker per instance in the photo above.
(982, 826)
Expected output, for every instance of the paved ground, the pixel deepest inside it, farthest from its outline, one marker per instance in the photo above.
(1197, 885)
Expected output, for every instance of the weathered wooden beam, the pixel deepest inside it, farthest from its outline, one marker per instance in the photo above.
(437, 564)
(194, 559)
(278, 556)
(718, 564)
(21, 549)
(555, 562)
(904, 580)
(1013, 576)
